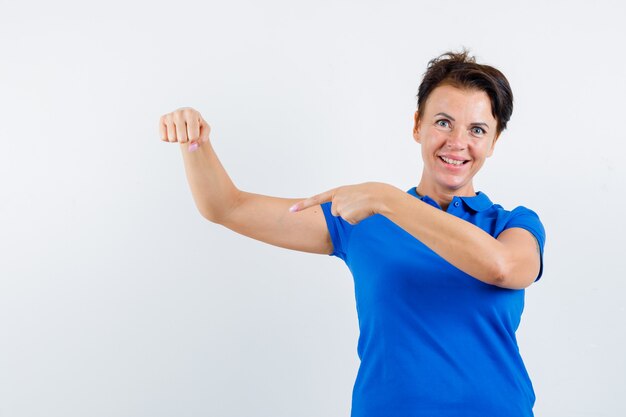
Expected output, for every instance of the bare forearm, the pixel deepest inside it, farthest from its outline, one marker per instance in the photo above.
(461, 243)
(213, 191)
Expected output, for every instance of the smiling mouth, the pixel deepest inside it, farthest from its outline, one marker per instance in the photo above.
(453, 162)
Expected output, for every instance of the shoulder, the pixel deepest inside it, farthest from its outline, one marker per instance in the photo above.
(502, 219)
(496, 210)
(517, 212)
(522, 217)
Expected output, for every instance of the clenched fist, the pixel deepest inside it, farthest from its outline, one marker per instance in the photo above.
(184, 125)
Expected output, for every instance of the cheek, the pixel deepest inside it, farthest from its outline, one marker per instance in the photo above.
(434, 140)
(480, 150)
(428, 148)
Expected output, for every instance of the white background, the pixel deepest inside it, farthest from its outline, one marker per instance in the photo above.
(118, 299)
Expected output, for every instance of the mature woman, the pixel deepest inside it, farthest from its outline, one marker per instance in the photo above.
(439, 270)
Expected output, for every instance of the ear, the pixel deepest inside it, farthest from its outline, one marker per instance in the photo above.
(493, 145)
(416, 126)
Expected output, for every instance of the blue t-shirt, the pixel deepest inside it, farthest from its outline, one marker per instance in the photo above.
(434, 341)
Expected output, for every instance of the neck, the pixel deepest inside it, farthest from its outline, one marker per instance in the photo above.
(443, 196)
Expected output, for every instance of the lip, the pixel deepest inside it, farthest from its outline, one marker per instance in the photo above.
(449, 166)
(456, 158)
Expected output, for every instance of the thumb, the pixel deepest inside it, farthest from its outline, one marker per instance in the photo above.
(205, 129)
(193, 146)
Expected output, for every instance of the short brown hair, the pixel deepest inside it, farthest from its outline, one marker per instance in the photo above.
(459, 69)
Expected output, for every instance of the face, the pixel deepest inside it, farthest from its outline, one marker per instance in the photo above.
(457, 133)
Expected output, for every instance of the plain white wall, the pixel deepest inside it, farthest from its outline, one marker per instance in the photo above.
(118, 299)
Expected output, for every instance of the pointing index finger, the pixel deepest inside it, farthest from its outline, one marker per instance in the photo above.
(313, 201)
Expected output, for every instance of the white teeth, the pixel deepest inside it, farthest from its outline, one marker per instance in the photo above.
(452, 161)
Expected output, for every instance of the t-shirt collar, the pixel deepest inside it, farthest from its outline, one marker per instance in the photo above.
(479, 202)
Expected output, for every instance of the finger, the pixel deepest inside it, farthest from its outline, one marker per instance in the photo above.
(313, 201)
(296, 207)
(181, 127)
(193, 133)
(205, 129)
(193, 129)
(162, 129)
(171, 129)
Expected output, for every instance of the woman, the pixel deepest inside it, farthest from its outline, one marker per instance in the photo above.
(439, 270)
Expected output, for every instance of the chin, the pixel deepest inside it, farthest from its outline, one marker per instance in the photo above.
(453, 185)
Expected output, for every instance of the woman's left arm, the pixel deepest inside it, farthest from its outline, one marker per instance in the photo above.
(510, 261)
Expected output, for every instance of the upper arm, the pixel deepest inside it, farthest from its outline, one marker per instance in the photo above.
(523, 258)
(269, 220)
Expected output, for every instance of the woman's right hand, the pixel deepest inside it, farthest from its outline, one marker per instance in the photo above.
(185, 126)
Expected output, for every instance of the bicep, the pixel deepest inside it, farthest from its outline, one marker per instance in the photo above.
(523, 257)
(269, 220)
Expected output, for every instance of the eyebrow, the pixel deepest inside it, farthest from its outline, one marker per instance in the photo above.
(452, 118)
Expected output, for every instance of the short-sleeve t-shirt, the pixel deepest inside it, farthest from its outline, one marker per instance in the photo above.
(434, 341)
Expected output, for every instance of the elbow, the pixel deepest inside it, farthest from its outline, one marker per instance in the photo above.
(220, 215)
(209, 216)
(504, 275)
(207, 213)
(498, 275)
(212, 216)
(514, 267)
(500, 271)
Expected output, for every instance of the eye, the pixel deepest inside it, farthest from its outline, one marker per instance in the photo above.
(443, 123)
(478, 130)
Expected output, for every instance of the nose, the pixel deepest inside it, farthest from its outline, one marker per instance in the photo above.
(457, 139)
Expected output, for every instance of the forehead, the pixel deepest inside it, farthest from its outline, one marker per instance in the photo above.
(462, 103)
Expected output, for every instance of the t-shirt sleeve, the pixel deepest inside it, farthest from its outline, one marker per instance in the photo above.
(339, 230)
(529, 220)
